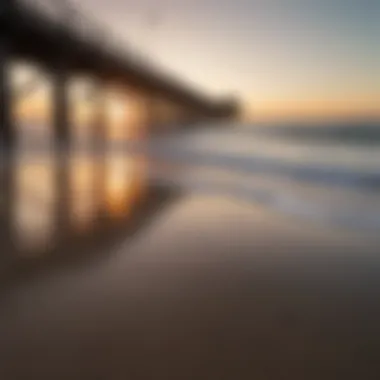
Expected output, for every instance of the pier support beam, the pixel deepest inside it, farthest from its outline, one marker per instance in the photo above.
(7, 146)
(100, 133)
(150, 113)
(61, 118)
(100, 144)
(62, 142)
(144, 116)
(7, 130)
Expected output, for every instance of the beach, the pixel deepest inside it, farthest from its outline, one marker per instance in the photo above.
(172, 271)
(213, 288)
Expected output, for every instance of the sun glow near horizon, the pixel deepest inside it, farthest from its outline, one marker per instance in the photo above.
(312, 110)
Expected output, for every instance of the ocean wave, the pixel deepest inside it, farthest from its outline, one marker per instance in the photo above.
(328, 174)
(346, 209)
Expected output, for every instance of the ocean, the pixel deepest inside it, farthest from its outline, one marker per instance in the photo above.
(326, 173)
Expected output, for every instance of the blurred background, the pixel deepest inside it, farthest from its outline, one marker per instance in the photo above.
(191, 184)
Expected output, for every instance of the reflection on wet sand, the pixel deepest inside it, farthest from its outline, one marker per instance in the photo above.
(75, 205)
(83, 202)
(217, 288)
(32, 211)
(123, 184)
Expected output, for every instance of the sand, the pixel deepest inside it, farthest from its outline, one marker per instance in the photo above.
(211, 288)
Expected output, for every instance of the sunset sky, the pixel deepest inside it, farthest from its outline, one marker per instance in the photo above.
(283, 58)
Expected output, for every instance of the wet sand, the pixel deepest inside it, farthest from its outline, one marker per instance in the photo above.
(214, 288)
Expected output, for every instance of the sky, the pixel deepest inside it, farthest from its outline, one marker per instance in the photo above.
(282, 58)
